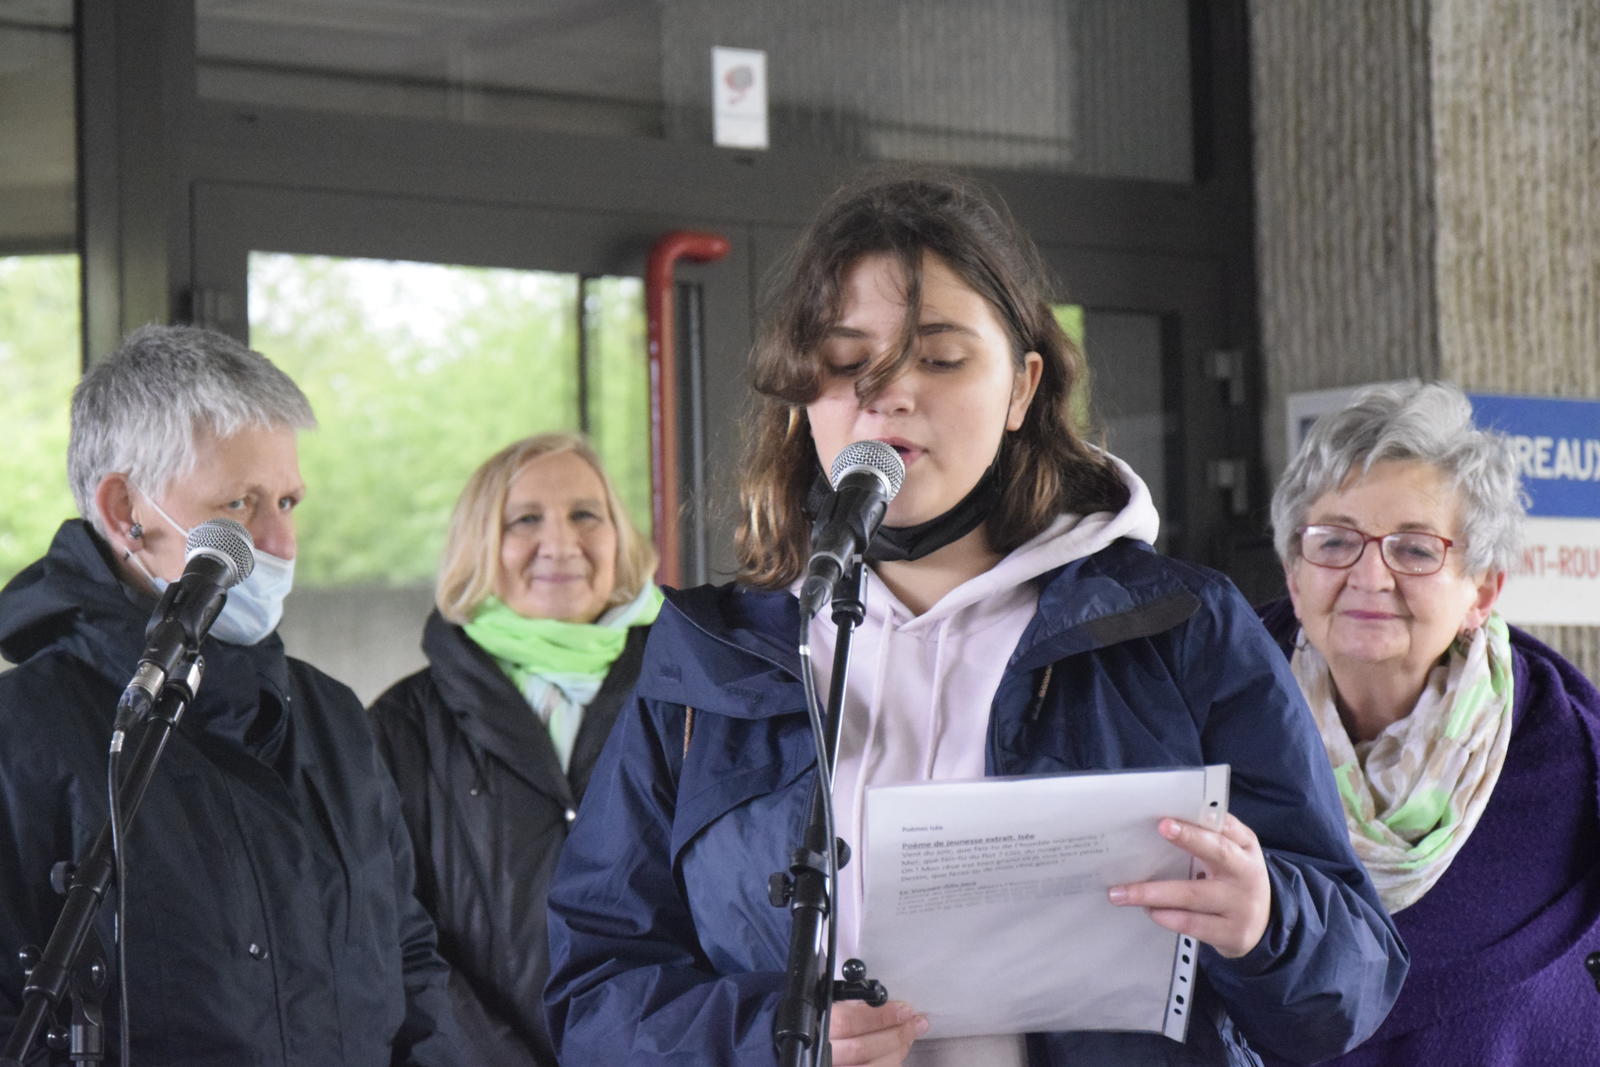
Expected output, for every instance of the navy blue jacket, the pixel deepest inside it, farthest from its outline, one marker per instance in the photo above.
(666, 951)
(271, 919)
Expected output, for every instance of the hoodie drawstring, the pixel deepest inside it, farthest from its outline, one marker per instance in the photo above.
(936, 709)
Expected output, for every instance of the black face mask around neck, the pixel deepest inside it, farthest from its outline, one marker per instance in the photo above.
(892, 544)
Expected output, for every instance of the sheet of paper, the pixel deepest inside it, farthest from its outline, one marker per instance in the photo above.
(985, 901)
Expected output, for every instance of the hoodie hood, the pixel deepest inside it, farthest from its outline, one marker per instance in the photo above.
(73, 596)
(1070, 537)
(920, 689)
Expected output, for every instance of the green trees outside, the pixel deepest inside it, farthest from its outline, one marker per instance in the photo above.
(418, 372)
(40, 359)
(619, 387)
(1070, 317)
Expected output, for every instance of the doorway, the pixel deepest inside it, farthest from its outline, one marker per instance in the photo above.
(428, 334)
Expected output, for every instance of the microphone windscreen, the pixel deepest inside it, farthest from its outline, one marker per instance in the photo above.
(871, 455)
(227, 541)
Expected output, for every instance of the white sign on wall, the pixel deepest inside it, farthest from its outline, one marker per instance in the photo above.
(739, 97)
(1555, 580)
(1306, 408)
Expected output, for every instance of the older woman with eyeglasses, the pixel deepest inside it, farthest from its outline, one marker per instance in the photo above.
(1465, 750)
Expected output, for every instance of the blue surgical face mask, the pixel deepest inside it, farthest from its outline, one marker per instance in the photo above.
(254, 606)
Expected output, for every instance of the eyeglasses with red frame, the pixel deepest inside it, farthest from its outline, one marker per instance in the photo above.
(1408, 552)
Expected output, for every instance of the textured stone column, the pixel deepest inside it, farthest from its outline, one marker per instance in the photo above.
(1344, 192)
(1427, 176)
(1516, 114)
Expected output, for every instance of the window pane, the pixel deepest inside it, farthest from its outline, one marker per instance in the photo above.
(1070, 316)
(1065, 86)
(40, 329)
(582, 67)
(1124, 392)
(1126, 357)
(39, 364)
(417, 372)
(619, 387)
(38, 161)
(1061, 86)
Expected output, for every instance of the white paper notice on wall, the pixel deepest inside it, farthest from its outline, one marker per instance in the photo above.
(739, 97)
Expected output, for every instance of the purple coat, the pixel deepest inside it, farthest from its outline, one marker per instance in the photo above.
(1498, 944)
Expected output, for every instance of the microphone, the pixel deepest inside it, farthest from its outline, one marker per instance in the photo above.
(221, 554)
(865, 477)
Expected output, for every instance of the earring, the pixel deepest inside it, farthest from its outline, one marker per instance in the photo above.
(135, 532)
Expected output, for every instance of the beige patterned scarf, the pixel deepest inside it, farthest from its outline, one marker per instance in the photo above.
(1413, 794)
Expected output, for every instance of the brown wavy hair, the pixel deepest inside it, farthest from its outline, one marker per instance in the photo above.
(1046, 466)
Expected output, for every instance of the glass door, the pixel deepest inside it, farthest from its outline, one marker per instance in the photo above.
(427, 335)
(40, 363)
(1153, 334)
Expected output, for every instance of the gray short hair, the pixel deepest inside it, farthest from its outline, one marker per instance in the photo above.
(138, 411)
(1427, 422)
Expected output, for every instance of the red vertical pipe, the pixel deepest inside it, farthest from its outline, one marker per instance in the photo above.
(660, 297)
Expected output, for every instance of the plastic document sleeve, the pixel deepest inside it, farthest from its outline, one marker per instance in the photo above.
(985, 901)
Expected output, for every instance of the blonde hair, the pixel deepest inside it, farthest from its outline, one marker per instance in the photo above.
(471, 563)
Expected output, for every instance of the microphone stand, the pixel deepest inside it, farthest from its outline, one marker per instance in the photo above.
(809, 887)
(67, 966)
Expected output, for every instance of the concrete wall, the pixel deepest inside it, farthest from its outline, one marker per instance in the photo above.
(367, 637)
(1516, 156)
(1344, 226)
(1425, 174)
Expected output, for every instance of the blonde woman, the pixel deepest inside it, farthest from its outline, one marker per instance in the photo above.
(542, 604)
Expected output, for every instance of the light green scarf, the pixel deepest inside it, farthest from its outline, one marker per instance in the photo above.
(1414, 793)
(559, 666)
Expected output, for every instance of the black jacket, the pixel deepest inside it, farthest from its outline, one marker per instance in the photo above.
(271, 918)
(488, 805)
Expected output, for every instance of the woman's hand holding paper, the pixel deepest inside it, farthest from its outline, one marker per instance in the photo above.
(1227, 904)
(863, 1036)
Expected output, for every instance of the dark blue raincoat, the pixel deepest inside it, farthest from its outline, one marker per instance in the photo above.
(665, 949)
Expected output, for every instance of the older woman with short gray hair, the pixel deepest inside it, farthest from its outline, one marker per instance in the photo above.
(1465, 750)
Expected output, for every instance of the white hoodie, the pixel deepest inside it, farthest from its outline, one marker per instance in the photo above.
(917, 698)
